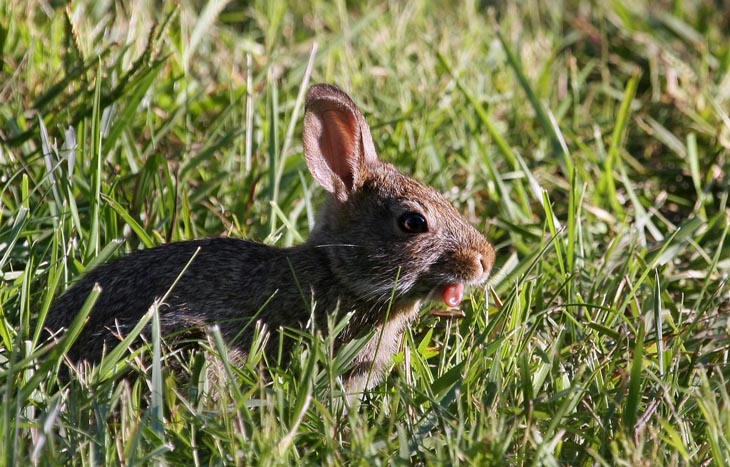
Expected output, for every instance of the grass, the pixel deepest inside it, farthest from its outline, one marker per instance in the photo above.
(591, 141)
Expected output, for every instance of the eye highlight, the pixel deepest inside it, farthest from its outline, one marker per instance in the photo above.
(412, 222)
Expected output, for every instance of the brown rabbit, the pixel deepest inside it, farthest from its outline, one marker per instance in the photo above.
(382, 244)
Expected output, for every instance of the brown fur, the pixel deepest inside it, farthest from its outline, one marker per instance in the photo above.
(349, 264)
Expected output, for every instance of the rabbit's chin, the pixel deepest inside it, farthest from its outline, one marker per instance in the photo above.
(453, 294)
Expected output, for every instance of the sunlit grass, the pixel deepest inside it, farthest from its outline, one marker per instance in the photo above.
(590, 143)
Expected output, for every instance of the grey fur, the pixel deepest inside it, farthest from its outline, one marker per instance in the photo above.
(349, 264)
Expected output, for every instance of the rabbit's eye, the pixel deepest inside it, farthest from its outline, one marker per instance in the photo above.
(412, 222)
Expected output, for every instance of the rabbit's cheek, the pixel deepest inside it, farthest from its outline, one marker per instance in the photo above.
(453, 294)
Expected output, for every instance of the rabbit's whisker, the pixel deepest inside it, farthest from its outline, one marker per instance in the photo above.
(336, 245)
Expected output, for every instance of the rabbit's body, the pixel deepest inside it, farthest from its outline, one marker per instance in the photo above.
(252, 282)
(381, 245)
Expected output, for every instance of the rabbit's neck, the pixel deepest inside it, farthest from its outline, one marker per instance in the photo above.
(331, 291)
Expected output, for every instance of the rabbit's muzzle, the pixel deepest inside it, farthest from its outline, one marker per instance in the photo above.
(471, 266)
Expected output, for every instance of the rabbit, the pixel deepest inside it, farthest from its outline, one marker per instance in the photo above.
(382, 244)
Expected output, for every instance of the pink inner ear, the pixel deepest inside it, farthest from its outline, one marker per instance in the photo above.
(338, 143)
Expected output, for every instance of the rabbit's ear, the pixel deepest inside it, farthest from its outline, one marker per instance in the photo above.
(337, 141)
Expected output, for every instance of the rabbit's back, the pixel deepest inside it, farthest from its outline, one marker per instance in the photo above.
(221, 280)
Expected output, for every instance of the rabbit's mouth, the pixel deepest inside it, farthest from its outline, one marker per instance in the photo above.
(453, 294)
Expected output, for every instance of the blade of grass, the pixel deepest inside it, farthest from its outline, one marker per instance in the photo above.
(542, 115)
(96, 167)
(636, 381)
(554, 228)
(659, 322)
(484, 117)
(139, 87)
(273, 148)
(157, 404)
(608, 182)
(19, 224)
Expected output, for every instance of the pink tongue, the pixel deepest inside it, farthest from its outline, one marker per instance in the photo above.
(453, 294)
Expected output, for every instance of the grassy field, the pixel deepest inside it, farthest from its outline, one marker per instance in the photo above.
(590, 141)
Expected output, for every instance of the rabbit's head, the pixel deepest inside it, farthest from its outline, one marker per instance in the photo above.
(384, 233)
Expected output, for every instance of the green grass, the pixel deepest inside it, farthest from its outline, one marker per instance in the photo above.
(590, 141)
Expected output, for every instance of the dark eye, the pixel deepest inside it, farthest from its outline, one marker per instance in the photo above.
(412, 222)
